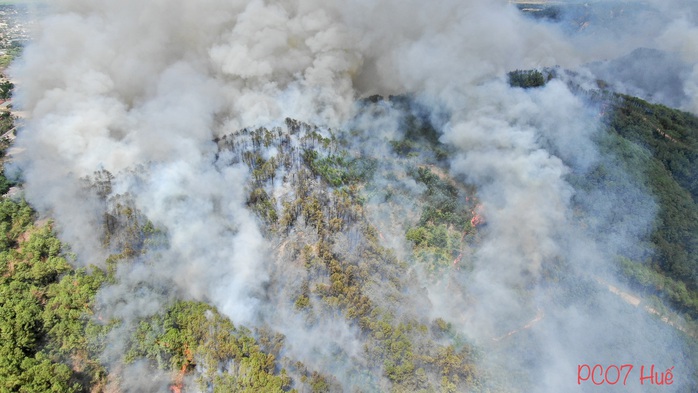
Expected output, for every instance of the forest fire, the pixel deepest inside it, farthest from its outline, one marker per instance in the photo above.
(538, 318)
(220, 191)
(478, 218)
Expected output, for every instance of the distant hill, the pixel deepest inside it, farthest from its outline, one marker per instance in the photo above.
(650, 74)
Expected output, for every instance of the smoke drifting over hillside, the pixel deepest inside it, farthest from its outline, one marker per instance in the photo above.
(142, 89)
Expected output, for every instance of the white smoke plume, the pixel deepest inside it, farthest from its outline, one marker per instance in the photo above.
(141, 89)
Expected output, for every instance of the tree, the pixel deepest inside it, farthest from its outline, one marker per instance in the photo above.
(41, 375)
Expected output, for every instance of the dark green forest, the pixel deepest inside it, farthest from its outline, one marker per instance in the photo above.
(660, 146)
(657, 148)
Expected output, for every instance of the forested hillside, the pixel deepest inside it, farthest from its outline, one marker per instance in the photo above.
(321, 224)
(660, 146)
(322, 227)
(657, 149)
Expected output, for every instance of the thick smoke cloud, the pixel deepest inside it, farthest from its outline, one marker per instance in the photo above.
(142, 89)
(642, 48)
